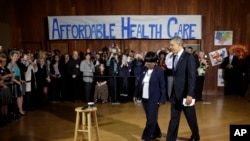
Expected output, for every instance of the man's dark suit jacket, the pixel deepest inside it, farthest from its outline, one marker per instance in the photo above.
(157, 87)
(235, 71)
(184, 77)
(247, 68)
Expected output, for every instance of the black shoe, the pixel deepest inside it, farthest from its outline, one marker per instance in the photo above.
(14, 116)
(157, 136)
(2, 123)
(30, 109)
(22, 114)
(194, 138)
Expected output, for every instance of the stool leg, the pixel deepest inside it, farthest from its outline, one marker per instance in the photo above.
(96, 125)
(89, 125)
(76, 126)
(83, 123)
(84, 120)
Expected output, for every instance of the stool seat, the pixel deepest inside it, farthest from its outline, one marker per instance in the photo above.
(86, 119)
(83, 109)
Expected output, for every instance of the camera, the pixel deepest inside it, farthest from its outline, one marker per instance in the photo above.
(113, 50)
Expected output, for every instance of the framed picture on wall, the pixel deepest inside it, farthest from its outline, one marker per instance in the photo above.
(223, 38)
(217, 56)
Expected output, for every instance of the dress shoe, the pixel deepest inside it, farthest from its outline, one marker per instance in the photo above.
(104, 102)
(194, 139)
(157, 136)
(14, 116)
(30, 109)
(22, 114)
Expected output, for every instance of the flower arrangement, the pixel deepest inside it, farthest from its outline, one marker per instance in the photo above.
(240, 50)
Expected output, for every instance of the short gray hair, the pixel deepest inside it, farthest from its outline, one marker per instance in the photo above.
(178, 40)
(14, 52)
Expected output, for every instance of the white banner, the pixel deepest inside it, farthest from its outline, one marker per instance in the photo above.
(124, 27)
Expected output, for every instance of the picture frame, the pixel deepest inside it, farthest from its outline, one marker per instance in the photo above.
(223, 38)
(217, 56)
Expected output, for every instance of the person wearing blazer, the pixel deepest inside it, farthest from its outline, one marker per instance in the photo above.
(151, 89)
(232, 73)
(184, 79)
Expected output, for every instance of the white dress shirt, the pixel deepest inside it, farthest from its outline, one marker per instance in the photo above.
(169, 60)
(145, 93)
(230, 59)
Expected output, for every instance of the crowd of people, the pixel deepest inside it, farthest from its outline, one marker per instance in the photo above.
(30, 80)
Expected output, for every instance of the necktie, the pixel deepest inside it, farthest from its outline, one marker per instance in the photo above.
(175, 61)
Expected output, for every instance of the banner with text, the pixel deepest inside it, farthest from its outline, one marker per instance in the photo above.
(124, 27)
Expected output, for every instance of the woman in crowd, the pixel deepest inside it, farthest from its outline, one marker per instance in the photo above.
(112, 64)
(87, 68)
(161, 62)
(202, 69)
(55, 76)
(64, 61)
(124, 73)
(17, 90)
(136, 69)
(101, 87)
(43, 80)
(169, 71)
(151, 89)
(30, 80)
(5, 95)
(98, 59)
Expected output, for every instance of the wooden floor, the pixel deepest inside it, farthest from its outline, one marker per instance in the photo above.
(125, 122)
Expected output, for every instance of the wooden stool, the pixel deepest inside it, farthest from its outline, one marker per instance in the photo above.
(88, 114)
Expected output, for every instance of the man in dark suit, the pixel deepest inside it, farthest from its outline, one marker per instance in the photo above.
(151, 89)
(184, 74)
(232, 74)
(247, 76)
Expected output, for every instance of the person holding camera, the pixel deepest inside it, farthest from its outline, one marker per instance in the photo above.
(124, 73)
(112, 64)
(202, 69)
